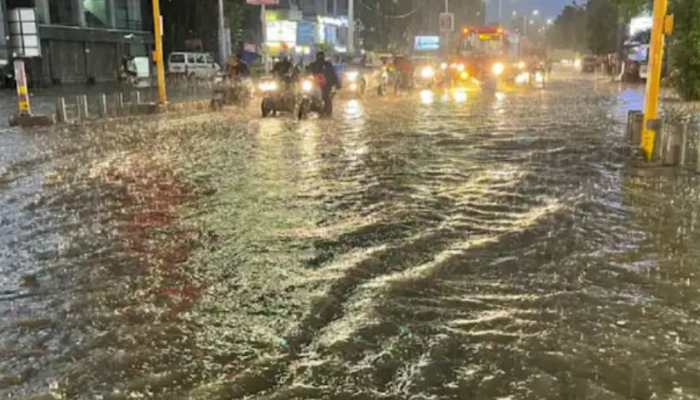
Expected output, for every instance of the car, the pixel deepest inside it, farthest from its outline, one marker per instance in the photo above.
(425, 71)
(193, 65)
(589, 64)
(361, 75)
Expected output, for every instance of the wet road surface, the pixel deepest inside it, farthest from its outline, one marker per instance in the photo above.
(502, 247)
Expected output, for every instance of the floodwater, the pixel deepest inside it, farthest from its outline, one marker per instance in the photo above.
(481, 246)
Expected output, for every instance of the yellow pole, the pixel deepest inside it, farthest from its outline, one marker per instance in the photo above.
(158, 53)
(656, 54)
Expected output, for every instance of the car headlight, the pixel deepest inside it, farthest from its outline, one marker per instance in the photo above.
(268, 86)
(351, 76)
(464, 75)
(578, 63)
(460, 67)
(307, 85)
(443, 66)
(427, 73)
(522, 65)
(498, 69)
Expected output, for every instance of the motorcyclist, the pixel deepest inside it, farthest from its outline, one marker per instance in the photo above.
(327, 79)
(404, 70)
(238, 69)
(285, 71)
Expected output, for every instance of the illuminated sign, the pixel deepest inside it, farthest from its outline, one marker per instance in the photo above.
(282, 32)
(427, 43)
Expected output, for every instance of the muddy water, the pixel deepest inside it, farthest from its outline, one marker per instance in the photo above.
(500, 247)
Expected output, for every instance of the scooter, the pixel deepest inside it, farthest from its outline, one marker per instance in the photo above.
(312, 97)
(277, 97)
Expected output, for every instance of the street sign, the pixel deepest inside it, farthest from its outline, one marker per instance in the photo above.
(447, 22)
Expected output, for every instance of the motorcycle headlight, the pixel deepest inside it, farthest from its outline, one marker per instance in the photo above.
(498, 69)
(464, 75)
(427, 73)
(306, 85)
(268, 86)
(351, 76)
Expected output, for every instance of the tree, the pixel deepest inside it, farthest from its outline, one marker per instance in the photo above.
(569, 29)
(685, 48)
(601, 23)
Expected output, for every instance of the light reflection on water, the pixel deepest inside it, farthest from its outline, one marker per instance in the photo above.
(501, 247)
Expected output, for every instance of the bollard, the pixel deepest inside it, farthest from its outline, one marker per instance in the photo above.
(697, 149)
(84, 101)
(671, 144)
(61, 110)
(104, 113)
(138, 97)
(120, 103)
(635, 119)
(684, 144)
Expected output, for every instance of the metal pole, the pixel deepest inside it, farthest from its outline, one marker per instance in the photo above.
(158, 53)
(662, 25)
(222, 32)
(500, 12)
(351, 26)
(263, 24)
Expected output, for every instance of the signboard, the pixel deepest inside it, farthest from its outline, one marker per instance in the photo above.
(263, 2)
(23, 32)
(306, 33)
(427, 43)
(282, 32)
(447, 22)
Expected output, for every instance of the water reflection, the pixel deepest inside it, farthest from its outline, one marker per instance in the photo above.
(395, 251)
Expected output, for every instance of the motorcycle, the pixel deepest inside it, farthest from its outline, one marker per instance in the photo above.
(277, 97)
(312, 97)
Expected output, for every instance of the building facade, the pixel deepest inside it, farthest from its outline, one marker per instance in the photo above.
(4, 57)
(84, 41)
(302, 27)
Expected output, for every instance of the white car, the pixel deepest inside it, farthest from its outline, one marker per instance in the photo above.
(192, 65)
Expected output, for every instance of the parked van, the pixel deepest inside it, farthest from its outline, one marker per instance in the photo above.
(197, 65)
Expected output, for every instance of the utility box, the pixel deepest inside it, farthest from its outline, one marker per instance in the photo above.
(23, 33)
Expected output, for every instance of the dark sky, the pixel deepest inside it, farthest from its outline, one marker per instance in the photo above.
(547, 8)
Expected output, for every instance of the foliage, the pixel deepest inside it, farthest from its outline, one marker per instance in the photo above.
(602, 26)
(569, 29)
(685, 48)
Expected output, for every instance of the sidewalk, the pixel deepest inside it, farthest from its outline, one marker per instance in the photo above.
(43, 100)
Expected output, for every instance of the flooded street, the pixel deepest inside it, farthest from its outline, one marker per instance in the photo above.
(485, 247)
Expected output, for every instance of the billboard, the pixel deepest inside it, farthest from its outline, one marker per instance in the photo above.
(427, 43)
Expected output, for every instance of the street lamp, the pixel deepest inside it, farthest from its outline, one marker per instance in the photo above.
(536, 12)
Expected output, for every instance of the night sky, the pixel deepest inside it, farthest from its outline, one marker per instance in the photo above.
(548, 8)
